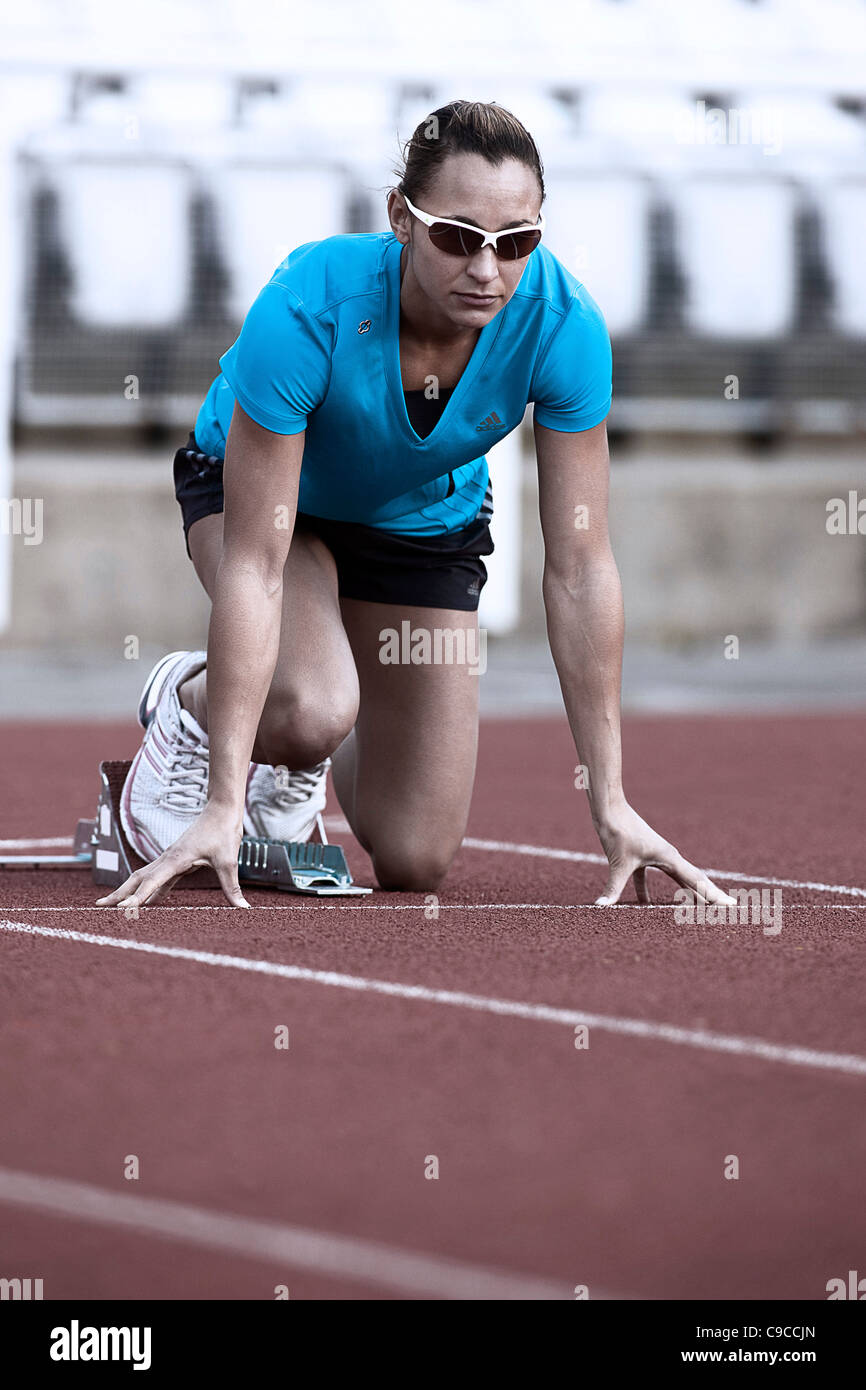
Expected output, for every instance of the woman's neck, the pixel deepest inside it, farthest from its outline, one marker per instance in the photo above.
(421, 321)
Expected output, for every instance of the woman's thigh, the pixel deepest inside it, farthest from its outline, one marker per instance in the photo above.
(313, 698)
(405, 776)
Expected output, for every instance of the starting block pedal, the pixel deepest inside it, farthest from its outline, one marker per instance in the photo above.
(314, 867)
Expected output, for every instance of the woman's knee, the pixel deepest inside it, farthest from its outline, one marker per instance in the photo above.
(411, 868)
(301, 728)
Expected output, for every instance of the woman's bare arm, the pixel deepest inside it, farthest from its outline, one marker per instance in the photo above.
(261, 476)
(583, 602)
(260, 479)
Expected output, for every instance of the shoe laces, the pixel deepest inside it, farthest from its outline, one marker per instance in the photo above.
(187, 776)
(298, 786)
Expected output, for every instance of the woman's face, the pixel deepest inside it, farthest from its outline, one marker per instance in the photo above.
(468, 290)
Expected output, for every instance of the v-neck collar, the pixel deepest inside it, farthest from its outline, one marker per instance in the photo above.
(391, 352)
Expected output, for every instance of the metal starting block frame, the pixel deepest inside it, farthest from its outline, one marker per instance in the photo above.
(315, 867)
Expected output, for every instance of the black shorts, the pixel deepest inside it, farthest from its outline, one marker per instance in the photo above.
(443, 571)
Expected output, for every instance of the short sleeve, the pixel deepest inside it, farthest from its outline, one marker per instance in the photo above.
(571, 384)
(280, 366)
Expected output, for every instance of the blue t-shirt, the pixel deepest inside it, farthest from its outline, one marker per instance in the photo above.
(319, 351)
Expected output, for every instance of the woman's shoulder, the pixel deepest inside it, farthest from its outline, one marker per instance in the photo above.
(547, 281)
(320, 274)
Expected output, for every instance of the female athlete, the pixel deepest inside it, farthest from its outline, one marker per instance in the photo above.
(333, 489)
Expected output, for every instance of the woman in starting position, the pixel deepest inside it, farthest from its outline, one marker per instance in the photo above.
(333, 488)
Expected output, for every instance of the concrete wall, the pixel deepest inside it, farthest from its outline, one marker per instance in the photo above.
(112, 562)
(709, 543)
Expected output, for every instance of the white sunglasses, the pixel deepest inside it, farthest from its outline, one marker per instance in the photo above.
(461, 239)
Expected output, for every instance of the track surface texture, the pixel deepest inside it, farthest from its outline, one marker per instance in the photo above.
(443, 1034)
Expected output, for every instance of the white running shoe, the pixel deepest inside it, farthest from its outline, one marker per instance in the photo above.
(282, 805)
(155, 682)
(166, 788)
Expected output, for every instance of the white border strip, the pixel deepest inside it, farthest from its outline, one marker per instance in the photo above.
(56, 841)
(328, 906)
(298, 1247)
(846, 1063)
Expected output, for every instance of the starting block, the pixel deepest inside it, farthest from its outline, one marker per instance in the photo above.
(315, 867)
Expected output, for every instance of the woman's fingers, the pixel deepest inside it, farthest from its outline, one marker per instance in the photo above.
(641, 886)
(227, 873)
(673, 864)
(151, 885)
(163, 889)
(146, 886)
(689, 876)
(142, 888)
(617, 879)
(120, 894)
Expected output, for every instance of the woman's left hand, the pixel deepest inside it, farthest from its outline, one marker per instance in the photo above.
(632, 847)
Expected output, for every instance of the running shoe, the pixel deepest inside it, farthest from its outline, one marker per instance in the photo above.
(283, 805)
(153, 686)
(166, 788)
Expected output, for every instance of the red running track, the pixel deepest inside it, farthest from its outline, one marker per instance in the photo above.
(602, 1167)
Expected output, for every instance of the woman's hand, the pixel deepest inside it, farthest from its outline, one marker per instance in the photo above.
(212, 840)
(632, 847)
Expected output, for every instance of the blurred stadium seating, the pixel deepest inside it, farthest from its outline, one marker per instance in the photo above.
(717, 222)
(706, 174)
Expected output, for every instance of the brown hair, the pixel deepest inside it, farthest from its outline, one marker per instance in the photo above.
(465, 127)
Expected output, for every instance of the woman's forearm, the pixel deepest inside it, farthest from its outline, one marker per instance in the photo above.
(585, 627)
(242, 649)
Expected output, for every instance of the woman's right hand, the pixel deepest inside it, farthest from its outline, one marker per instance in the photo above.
(213, 840)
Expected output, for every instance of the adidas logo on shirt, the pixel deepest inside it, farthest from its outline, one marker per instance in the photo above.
(492, 422)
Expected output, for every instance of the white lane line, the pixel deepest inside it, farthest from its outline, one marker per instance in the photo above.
(295, 1247)
(578, 857)
(323, 906)
(56, 841)
(790, 1054)
(336, 823)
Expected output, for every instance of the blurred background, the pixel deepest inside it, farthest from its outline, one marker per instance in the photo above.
(706, 170)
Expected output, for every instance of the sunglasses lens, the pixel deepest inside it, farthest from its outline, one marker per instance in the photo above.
(455, 241)
(517, 245)
(463, 241)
